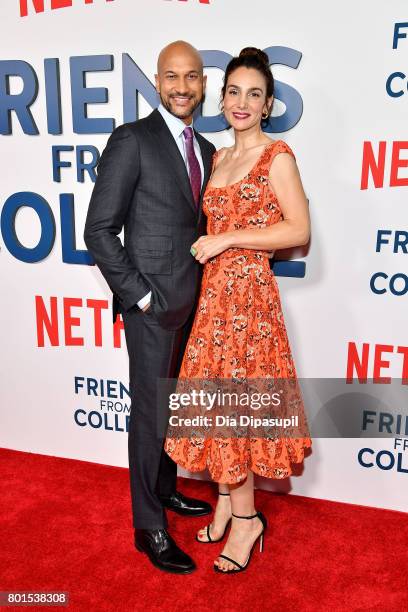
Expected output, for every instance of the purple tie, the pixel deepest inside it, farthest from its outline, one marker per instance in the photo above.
(194, 166)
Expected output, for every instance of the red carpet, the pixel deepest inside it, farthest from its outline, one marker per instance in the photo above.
(66, 525)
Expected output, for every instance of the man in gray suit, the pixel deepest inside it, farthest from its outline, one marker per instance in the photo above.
(151, 178)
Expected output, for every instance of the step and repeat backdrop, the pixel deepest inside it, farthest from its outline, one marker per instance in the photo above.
(73, 70)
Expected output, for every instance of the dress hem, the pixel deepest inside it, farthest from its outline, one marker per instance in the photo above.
(288, 469)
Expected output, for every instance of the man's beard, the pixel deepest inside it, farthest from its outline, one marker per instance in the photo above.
(180, 114)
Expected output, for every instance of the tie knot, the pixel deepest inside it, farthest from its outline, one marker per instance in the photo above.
(188, 133)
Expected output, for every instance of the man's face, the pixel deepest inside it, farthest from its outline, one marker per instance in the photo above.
(180, 83)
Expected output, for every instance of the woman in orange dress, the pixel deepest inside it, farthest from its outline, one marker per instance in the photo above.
(255, 203)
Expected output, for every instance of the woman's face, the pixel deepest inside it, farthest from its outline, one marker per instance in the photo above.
(245, 98)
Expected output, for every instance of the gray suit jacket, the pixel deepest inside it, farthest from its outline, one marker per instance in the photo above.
(143, 186)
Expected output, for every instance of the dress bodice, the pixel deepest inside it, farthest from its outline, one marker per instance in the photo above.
(249, 203)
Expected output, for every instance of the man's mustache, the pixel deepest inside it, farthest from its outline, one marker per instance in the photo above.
(183, 95)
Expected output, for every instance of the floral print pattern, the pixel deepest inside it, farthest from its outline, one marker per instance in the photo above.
(239, 330)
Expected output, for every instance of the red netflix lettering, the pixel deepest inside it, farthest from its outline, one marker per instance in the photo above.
(380, 363)
(397, 163)
(373, 164)
(370, 164)
(359, 366)
(45, 322)
(93, 314)
(118, 327)
(70, 322)
(354, 363)
(97, 305)
(38, 5)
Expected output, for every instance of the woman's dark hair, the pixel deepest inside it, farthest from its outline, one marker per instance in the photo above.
(251, 57)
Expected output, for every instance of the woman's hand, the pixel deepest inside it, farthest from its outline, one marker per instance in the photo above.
(210, 246)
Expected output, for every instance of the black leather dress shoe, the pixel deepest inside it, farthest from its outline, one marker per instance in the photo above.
(162, 551)
(185, 505)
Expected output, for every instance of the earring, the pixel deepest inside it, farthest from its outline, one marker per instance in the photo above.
(265, 116)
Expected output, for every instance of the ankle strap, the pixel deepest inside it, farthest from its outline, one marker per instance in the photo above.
(223, 493)
(244, 517)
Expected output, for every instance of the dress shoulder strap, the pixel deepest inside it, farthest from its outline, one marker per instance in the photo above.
(280, 147)
(271, 151)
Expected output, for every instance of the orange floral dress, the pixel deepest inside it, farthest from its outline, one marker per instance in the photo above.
(239, 329)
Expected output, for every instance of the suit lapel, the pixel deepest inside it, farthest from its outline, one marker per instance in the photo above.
(167, 144)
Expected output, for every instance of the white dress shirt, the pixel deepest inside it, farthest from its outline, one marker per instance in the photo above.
(176, 127)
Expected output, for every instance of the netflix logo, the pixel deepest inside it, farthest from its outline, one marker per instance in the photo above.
(39, 6)
(374, 164)
(377, 361)
(75, 321)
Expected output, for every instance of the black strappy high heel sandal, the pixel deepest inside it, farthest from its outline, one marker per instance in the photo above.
(210, 540)
(260, 538)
